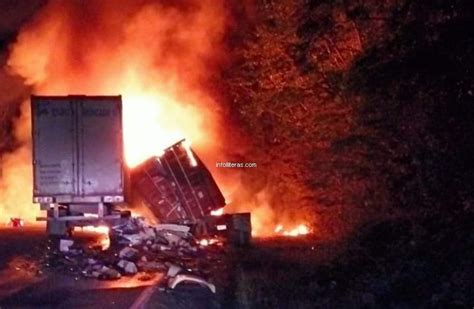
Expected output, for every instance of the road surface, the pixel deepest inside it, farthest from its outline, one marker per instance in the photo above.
(25, 283)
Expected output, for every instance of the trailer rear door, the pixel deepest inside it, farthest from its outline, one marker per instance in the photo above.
(101, 148)
(54, 147)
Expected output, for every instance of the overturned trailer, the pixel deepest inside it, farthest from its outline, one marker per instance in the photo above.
(178, 188)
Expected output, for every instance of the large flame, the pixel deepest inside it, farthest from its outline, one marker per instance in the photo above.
(153, 55)
(157, 56)
(300, 230)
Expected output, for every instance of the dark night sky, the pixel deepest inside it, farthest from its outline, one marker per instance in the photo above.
(12, 15)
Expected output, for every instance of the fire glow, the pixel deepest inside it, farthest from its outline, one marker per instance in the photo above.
(102, 230)
(208, 241)
(299, 230)
(217, 212)
(158, 56)
(96, 229)
(155, 55)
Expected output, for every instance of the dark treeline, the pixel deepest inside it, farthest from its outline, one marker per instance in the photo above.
(361, 112)
(358, 109)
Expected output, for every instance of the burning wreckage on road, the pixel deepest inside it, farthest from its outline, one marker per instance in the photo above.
(80, 180)
(141, 248)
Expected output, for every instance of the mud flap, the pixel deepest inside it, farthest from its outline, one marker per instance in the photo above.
(57, 228)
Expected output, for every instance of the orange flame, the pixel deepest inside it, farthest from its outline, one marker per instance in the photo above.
(217, 212)
(204, 242)
(158, 56)
(154, 55)
(208, 241)
(96, 229)
(299, 230)
(102, 230)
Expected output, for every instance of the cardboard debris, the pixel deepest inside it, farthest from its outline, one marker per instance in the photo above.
(128, 267)
(173, 249)
(166, 248)
(91, 261)
(65, 244)
(147, 234)
(172, 227)
(128, 253)
(173, 270)
(172, 239)
(133, 239)
(106, 273)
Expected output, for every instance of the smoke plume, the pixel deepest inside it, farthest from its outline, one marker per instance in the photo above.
(158, 55)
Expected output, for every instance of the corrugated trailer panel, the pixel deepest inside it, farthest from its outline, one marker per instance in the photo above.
(177, 186)
(54, 148)
(101, 148)
(197, 188)
(152, 182)
(77, 148)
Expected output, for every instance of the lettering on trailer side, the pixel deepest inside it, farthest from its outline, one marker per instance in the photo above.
(53, 111)
(97, 112)
(54, 173)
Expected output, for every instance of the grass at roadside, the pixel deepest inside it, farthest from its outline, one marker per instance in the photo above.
(395, 263)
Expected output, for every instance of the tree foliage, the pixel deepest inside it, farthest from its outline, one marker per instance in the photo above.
(356, 108)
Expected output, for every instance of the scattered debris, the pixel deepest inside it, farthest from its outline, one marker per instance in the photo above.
(177, 188)
(173, 270)
(129, 267)
(138, 248)
(91, 261)
(190, 278)
(133, 239)
(172, 227)
(128, 253)
(106, 273)
(172, 238)
(65, 244)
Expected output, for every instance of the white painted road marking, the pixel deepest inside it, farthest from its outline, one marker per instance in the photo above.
(144, 297)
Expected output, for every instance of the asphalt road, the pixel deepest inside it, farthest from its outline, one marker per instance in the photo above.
(24, 283)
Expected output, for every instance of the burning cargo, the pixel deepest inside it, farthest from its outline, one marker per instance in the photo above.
(177, 186)
(80, 175)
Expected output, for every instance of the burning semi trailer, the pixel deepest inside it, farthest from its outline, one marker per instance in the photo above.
(81, 179)
(178, 188)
